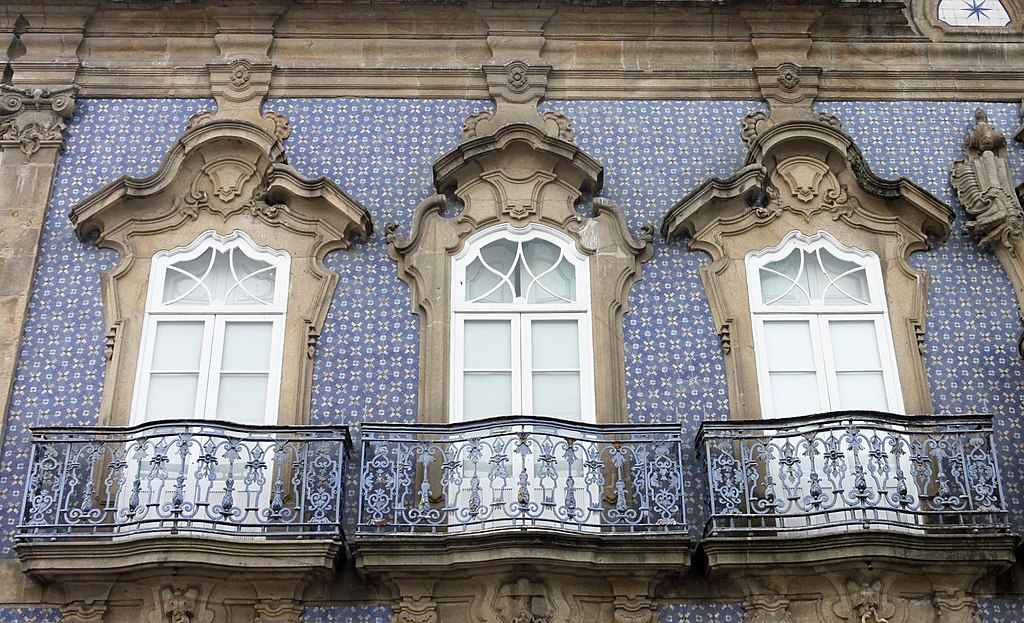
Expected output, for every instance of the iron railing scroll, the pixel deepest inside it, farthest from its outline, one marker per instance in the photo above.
(521, 473)
(849, 470)
(185, 476)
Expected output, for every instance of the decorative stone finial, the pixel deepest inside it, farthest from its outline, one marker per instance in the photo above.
(984, 137)
(984, 187)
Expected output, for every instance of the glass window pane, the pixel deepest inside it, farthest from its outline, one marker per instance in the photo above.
(171, 396)
(781, 281)
(242, 398)
(788, 345)
(500, 255)
(558, 285)
(249, 280)
(854, 344)
(178, 345)
(557, 394)
(862, 390)
(481, 281)
(488, 344)
(185, 282)
(555, 344)
(794, 393)
(850, 281)
(485, 394)
(247, 346)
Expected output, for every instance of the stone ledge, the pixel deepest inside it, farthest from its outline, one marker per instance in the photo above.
(730, 553)
(608, 553)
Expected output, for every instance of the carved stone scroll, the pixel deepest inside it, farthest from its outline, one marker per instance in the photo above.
(33, 119)
(984, 186)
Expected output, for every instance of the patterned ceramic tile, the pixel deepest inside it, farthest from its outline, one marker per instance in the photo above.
(30, 615)
(61, 365)
(381, 152)
(1001, 610)
(347, 614)
(700, 613)
(972, 327)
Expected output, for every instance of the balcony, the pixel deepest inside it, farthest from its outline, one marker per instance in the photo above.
(520, 490)
(854, 486)
(201, 496)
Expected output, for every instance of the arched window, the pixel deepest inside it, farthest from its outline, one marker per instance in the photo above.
(821, 331)
(521, 327)
(982, 13)
(213, 333)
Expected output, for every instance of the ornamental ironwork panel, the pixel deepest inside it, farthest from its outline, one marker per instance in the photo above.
(520, 473)
(185, 476)
(863, 469)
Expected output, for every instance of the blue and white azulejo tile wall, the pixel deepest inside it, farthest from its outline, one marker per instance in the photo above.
(381, 151)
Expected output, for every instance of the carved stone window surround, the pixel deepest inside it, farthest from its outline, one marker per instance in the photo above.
(518, 175)
(808, 176)
(222, 175)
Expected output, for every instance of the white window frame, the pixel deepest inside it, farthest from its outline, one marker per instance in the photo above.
(215, 317)
(522, 315)
(820, 318)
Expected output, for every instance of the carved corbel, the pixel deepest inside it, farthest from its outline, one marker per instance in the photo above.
(955, 606)
(83, 612)
(633, 603)
(766, 609)
(523, 601)
(984, 187)
(279, 611)
(180, 604)
(415, 610)
(33, 119)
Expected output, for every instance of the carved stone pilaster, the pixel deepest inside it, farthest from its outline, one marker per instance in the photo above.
(984, 186)
(83, 612)
(33, 119)
(279, 611)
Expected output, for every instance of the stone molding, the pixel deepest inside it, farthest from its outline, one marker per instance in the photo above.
(514, 168)
(258, 580)
(806, 174)
(872, 576)
(864, 50)
(984, 187)
(222, 174)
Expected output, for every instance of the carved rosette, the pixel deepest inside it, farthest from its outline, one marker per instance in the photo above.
(33, 119)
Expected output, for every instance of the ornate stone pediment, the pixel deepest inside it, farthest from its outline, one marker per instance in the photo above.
(805, 173)
(223, 174)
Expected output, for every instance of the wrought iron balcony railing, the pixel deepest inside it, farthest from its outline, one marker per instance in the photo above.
(520, 473)
(185, 476)
(823, 472)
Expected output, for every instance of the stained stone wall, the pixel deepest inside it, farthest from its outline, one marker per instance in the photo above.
(381, 151)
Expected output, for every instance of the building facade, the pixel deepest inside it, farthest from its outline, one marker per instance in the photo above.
(512, 312)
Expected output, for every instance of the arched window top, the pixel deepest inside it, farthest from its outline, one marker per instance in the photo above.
(805, 272)
(976, 13)
(510, 267)
(228, 273)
